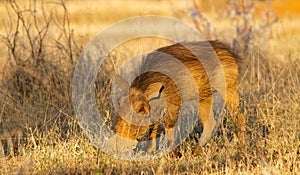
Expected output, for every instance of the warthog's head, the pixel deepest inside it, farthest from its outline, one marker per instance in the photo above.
(139, 108)
(138, 101)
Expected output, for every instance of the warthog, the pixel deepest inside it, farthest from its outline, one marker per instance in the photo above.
(204, 70)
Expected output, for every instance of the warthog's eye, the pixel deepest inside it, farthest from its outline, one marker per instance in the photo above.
(142, 110)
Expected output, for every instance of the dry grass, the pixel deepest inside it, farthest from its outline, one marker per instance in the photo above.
(270, 89)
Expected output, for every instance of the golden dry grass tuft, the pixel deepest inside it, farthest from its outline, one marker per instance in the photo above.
(35, 96)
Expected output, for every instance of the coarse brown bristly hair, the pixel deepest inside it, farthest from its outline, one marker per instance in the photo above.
(141, 88)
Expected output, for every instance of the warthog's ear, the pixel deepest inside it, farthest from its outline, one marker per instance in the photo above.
(155, 90)
(122, 84)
